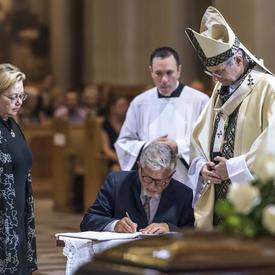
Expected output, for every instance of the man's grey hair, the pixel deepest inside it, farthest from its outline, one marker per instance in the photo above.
(157, 156)
(240, 52)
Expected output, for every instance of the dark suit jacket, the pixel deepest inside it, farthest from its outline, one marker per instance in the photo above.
(121, 192)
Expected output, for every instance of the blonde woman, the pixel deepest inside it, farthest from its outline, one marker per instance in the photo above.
(17, 234)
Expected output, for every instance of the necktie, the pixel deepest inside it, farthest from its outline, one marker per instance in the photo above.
(146, 206)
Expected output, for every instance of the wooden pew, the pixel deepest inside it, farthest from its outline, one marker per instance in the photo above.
(40, 140)
(94, 162)
(67, 152)
(76, 155)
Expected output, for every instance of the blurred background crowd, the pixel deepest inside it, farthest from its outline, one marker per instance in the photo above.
(89, 58)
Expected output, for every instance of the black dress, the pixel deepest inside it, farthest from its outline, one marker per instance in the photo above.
(21, 164)
(112, 135)
(111, 132)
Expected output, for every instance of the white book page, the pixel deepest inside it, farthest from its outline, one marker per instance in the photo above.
(99, 236)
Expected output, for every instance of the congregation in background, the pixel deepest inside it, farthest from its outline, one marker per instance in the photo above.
(124, 127)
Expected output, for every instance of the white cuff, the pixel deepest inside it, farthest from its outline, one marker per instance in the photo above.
(237, 170)
(110, 227)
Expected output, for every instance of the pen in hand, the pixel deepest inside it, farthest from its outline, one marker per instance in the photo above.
(133, 225)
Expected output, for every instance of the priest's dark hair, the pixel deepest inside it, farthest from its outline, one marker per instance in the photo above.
(164, 52)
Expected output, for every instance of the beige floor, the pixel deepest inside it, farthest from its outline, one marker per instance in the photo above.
(50, 257)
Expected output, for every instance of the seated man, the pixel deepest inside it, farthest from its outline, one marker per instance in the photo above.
(146, 200)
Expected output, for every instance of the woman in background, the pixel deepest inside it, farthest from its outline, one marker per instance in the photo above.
(17, 234)
(110, 129)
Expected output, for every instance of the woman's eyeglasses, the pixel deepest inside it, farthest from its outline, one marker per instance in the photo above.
(16, 97)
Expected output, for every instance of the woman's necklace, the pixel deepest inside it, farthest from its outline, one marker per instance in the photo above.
(6, 124)
(12, 133)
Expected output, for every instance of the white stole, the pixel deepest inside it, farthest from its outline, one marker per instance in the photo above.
(231, 104)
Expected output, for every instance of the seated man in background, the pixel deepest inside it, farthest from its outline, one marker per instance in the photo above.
(90, 101)
(146, 200)
(70, 110)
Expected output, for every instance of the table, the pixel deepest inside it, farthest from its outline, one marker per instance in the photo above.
(193, 253)
(81, 251)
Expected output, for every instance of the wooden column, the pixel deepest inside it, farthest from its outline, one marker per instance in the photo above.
(66, 44)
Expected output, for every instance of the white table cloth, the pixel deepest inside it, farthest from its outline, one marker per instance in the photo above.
(81, 251)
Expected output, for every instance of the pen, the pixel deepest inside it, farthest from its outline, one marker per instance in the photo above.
(127, 215)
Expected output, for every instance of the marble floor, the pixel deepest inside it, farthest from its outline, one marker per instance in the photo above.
(50, 257)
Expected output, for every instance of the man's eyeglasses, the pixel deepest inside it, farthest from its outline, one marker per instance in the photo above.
(16, 97)
(220, 72)
(213, 74)
(159, 183)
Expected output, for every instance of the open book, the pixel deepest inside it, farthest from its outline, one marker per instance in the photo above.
(100, 236)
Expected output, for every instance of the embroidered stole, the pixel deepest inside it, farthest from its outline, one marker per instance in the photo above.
(225, 122)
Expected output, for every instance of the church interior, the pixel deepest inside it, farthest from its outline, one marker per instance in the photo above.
(84, 53)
